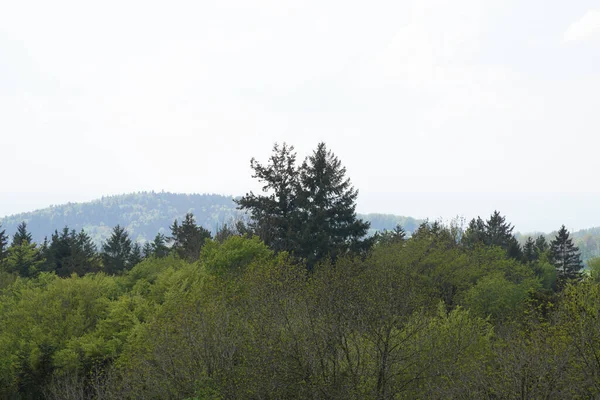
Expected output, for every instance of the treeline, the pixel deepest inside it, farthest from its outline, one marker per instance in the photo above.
(301, 304)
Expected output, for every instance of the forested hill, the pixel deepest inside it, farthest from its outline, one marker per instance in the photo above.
(145, 214)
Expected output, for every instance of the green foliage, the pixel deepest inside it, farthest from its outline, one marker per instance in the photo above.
(117, 251)
(307, 211)
(234, 255)
(565, 257)
(187, 239)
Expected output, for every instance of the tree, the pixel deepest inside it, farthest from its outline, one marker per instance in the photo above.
(565, 256)
(70, 252)
(541, 245)
(327, 202)
(3, 245)
(493, 232)
(135, 257)
(397, 235)
(529, 251)
(188, 238)
(116, 251)
(274, 215)
(159, 246)
(22, 235)
(147, 250)
(24, 259)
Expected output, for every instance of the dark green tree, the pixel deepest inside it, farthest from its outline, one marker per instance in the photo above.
(159, 246)
(70, 252)
(135, 257)
(147, 250)
(3, 245)
(529, 251)
(493, 232)
(541, 245)
(116, 251)
(327, 201)
(274, 214)
(24, 259)
(475, 234)
(565, 256)
(188, 238)
(21, 235)
(397, 235)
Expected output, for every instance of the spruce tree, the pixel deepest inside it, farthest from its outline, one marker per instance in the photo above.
(116, 251)
(188, 238)
(135, 257)
(3, 245)
(475, 234)
(529, 251)
(327, 201)
(24, 259)
(159, 246)
(541, 245)
(21, 235)
(397, 235)
(147, 250)
(274, 214)
(565, 256)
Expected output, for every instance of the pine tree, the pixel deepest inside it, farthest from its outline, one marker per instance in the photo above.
(565, 256)
(498, 232)
(529, 251)
(116, 251)
(135, 257)
(147, 250)
(541, 245)
(327, 203)
(70, 252)
(273, 215)
(475, 234)
(3, 245)
(397, 235)
(22, 235)
(159, 246)
(24, 259)
(493, 232)
(188, 238)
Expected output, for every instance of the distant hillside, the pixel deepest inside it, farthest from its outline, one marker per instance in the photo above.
(143, 214)
(147, 213)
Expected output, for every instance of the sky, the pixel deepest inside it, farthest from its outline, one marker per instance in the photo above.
(437, 108)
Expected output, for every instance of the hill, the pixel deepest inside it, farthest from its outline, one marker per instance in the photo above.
(145, 214)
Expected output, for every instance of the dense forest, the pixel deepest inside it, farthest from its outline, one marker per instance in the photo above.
(299, 301)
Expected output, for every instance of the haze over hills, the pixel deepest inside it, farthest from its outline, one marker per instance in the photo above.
(145, 214)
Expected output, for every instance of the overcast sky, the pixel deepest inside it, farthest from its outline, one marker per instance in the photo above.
(437, 108)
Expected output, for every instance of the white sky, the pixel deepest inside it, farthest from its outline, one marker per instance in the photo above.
(437, 108)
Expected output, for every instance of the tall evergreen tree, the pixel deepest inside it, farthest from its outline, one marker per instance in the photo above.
(188, 238)
(116, 251)
(24, 259)
(529, 251)
(21, 235)
(475, 234)
(135, 257)
(541, 245)
(565, 256)
(70, 252)
(147, 250)
(397, 235)
(3, 245)
(493, 232)
(159, 246)
(273, 214)
(327, 201)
